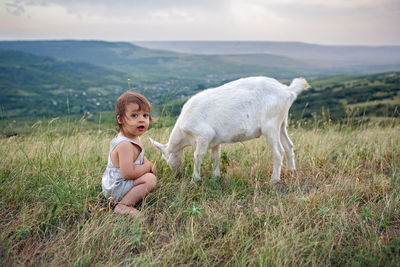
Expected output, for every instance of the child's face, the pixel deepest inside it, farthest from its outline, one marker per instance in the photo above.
(135, 122)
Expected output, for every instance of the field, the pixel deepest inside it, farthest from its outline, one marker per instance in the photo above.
(342, 206)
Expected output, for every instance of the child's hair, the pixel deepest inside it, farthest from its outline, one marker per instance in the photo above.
(131, 97)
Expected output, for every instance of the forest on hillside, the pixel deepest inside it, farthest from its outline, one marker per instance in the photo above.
(57, 78)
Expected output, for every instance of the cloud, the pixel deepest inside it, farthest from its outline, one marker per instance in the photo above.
(334, 22)
(14, 8)
(142, 19)
(321, 21)
(121, 8)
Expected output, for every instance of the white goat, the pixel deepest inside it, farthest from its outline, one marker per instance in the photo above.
(237, 111)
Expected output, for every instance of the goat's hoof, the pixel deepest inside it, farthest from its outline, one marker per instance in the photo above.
(195, 181)
(291, 173)
(275, 182)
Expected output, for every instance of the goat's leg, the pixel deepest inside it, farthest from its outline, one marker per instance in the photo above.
(288, 146)
(215, 151)
(201, 149)
(277, 152)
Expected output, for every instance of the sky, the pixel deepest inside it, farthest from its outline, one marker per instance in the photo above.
(330, 22)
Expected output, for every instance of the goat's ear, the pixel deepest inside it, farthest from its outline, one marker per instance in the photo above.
(306, 85)
(161, 147)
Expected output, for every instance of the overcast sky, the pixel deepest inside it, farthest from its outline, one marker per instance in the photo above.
(347, 22)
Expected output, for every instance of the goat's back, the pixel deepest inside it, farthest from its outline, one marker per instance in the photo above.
(235, 109)
(243, 95)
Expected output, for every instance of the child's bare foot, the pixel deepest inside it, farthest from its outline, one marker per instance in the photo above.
(123, 209)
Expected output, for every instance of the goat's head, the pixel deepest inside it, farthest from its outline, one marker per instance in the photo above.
(174, 160)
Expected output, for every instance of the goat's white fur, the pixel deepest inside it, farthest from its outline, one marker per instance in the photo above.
(237, 111)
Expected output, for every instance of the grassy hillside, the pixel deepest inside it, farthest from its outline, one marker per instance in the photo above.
(338, 97)
(148, 65)
(33, 85)
(38, 85)
(341, 208)
(152, 65)
(95, 52)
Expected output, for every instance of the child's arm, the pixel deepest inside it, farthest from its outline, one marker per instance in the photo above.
(127, 154)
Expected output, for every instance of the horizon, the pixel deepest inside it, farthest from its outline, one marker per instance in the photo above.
(193, 41)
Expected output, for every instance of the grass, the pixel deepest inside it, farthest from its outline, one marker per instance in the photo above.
(342, 207)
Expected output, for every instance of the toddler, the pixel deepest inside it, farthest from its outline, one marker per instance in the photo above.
(129, 176)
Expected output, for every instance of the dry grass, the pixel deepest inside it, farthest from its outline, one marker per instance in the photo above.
(340, 208)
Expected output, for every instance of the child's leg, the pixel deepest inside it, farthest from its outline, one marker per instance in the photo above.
(141, 187)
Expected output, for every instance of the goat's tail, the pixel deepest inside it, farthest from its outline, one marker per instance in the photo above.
(298, 85)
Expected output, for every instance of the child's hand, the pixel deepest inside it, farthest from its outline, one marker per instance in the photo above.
(152, 167)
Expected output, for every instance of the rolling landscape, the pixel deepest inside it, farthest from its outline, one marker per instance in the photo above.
(52, 78)
(341, 207)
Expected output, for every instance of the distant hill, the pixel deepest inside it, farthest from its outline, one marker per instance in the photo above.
(297, 50)
(148, 65)
(318, 59)
(94, 52)
(279, 60)
(38, 85)
(61, 77)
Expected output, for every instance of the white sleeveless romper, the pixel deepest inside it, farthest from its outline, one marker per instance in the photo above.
(113, 184)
